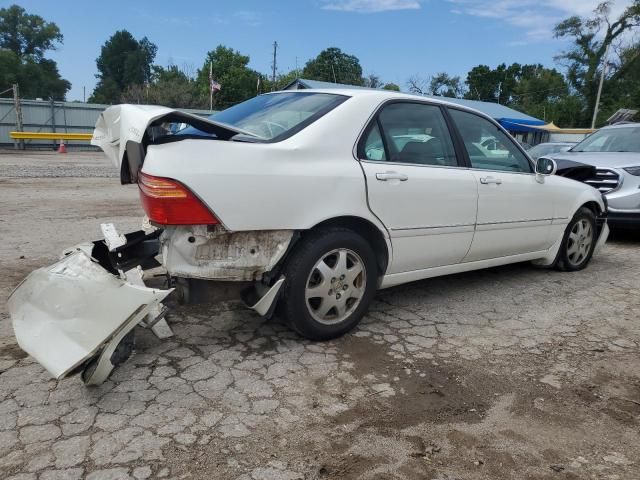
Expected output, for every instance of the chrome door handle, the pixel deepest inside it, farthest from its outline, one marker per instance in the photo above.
(488, 180)
(383, 177)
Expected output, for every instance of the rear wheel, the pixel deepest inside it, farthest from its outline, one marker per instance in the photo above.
(578, 242)
(331, 279)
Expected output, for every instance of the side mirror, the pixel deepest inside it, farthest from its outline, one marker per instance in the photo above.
(545, 166)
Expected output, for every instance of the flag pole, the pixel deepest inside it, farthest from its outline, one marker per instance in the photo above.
(210, 86)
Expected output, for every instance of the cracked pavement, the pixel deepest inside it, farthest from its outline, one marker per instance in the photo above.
(513, 372)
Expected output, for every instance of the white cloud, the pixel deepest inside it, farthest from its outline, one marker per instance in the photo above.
(536, 18)
(370, 6)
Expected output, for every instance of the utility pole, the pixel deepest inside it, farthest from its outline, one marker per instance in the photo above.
(53, 119)
(604, 72)
(18, 108)
(274, 66)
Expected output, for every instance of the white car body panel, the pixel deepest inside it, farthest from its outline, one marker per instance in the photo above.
(65, 313)
(423, 233)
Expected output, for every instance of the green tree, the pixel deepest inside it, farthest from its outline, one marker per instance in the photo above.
(170, 87)
(590, 39)
(24, 39)
(333, 65)
(230, 69)
(538, 92)
(123, 61)
(28, 36)
(372, 81)
(446, 85)
(391, 86)
(282, 80)
(492, 85)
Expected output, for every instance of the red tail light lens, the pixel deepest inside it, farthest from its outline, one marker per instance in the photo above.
(168, 202)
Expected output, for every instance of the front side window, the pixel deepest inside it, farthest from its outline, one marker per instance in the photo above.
(489, 148)
(622, 139)
(413, 133)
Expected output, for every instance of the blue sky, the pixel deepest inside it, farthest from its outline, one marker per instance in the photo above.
(394, 39)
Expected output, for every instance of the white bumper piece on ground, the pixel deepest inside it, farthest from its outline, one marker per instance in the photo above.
(602, 239)
(65, 314)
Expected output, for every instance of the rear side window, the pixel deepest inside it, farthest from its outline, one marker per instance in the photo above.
(373, 147)
(275, 116)
(412, 133)
(489, 148)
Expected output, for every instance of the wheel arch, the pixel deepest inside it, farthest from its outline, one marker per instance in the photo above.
(593, 206)
(366, 229)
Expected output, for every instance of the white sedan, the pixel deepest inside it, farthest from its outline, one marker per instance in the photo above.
(316, 198)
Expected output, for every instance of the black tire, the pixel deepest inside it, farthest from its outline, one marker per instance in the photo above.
(564, 262)
(293, 306)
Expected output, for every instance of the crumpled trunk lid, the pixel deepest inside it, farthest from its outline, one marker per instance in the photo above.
(125, 128)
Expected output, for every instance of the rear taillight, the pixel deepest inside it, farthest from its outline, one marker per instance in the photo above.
(168, 202)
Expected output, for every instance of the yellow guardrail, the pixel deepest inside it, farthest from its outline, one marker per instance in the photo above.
(50, 136)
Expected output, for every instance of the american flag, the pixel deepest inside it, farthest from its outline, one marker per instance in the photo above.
(213, 85)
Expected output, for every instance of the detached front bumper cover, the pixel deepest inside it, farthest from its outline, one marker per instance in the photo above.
(66, 314)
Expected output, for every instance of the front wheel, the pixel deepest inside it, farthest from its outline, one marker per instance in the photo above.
(578, 242)
(331, 279)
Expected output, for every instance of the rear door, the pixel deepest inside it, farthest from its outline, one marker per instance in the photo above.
(515, 211)
(417, 185)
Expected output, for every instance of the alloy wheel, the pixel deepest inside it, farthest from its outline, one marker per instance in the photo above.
(580, 240)
(335, 286)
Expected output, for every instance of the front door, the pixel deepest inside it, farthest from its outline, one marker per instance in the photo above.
(416, 186)
(515, 212)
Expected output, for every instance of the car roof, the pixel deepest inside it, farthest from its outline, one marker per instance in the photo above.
(384, 95)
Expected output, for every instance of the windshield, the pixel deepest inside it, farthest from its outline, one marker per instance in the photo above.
(623, 139)
(277, 115)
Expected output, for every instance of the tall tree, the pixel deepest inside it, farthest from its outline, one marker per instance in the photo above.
(171, 87)
(492, 85)
(591, 37)
(446, 85)
(441, 84)
(539, 91)
(230, 69)
(24, 40)
(333, 65)
(372, 81)
(123, 61)
(28, 36)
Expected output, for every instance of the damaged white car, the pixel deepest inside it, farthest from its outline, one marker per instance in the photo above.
(315, 199)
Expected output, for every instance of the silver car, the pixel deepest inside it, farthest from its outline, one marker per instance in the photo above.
(549, 148)
(615, 152)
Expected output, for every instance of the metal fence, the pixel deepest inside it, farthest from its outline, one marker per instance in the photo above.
(51, 116)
